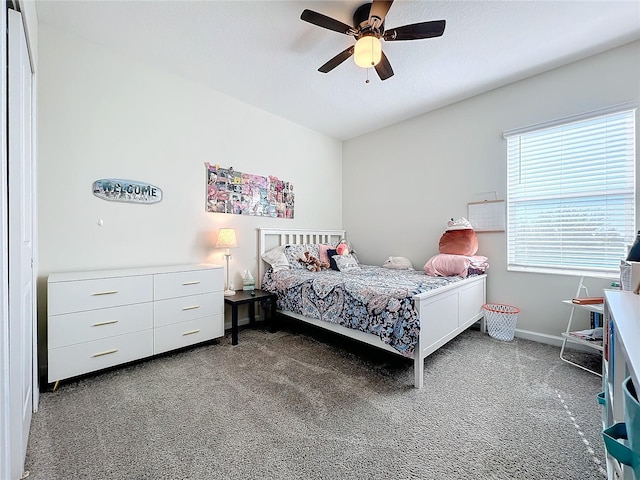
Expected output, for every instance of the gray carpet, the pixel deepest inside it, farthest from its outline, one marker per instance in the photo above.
(304, 404)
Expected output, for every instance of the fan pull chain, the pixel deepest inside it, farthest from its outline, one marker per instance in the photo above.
(372, 62)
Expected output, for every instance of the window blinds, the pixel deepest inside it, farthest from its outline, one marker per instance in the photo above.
(571, 195)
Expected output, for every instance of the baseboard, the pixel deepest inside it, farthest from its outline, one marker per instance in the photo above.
(242, 321)
(550, 340)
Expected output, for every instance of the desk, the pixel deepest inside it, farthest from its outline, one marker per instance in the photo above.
(621, 360)
(243, 297)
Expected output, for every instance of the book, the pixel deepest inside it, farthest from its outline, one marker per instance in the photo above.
(596, 319)
(606, 339)
(588, 300)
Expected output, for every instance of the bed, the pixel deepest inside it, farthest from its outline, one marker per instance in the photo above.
(435, 310)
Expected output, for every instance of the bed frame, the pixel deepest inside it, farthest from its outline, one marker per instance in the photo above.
(444, 313)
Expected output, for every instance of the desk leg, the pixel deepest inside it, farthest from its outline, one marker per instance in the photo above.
(252, 313)
(234, 325)
(272, 316)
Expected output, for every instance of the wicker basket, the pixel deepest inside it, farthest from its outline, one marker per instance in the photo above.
(501, 320)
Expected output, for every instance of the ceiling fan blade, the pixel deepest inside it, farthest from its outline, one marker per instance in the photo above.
(383, 68)
(415, 31)
(379, 10)
(337, 60)
(326, 22)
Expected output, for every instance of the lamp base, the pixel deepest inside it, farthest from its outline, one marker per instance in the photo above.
(228, 293)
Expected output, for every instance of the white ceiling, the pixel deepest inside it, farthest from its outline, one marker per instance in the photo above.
(261, 53)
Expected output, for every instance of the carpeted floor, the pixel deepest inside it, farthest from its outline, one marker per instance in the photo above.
(304, 404)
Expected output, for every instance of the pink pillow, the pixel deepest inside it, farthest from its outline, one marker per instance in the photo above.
(459, 242)
(444, 265)
(322, 252)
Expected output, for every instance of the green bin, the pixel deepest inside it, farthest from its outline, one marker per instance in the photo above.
(632, 414)
(622, 440)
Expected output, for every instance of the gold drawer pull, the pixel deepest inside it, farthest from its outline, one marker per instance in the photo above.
(191, 332)
(106, 352)
(108, 322)
(194, 282)
(109, 292)
(191, 307)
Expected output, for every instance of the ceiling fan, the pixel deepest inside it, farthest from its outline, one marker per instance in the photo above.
(368, 29)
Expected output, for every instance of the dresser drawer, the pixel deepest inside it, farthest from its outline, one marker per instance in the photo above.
(180, 284)
(181, 309)
(92, 325)
(188, 333)
(65, 362)
(77, 296)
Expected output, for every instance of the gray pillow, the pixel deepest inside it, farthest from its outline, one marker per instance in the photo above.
(346, 263)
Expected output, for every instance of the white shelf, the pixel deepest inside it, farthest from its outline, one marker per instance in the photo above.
(566, 335)
(592, 307)
(596, 344)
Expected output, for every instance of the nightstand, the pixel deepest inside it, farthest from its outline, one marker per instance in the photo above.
(250, 298)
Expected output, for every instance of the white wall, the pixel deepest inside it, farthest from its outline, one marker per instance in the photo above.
(417, 174)
(102, 115)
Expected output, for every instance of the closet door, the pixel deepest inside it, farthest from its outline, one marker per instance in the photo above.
(21, 245)
(5, 414)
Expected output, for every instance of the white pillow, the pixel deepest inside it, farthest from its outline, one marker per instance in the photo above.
(346, 263)
(398, 263)
(276, 258)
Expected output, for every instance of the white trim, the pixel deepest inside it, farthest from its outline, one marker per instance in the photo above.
(4, 267)
(539, 337)
(566, 272)
(554, 340)
(34, 242)
(621, 107)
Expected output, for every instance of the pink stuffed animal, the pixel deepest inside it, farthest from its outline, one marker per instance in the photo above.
(342, 248)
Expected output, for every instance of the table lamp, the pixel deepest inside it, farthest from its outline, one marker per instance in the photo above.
(227, 239)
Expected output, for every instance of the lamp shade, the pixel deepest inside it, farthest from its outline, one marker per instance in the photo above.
(367, 52)
(227, 238)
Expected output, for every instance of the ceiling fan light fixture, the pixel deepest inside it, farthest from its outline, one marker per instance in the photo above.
(368, 51)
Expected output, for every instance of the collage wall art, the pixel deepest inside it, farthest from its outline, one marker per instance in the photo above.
(230, 191)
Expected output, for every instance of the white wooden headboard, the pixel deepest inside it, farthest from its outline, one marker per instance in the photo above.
(274, 237)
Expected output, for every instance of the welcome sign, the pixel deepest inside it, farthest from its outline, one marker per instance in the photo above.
(128, 191)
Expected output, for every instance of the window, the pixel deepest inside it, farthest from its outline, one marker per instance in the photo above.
(571, 194)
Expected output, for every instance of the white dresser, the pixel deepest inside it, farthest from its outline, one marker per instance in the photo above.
(104, 318)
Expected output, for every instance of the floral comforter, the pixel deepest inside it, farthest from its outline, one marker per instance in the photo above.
(372, 299)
